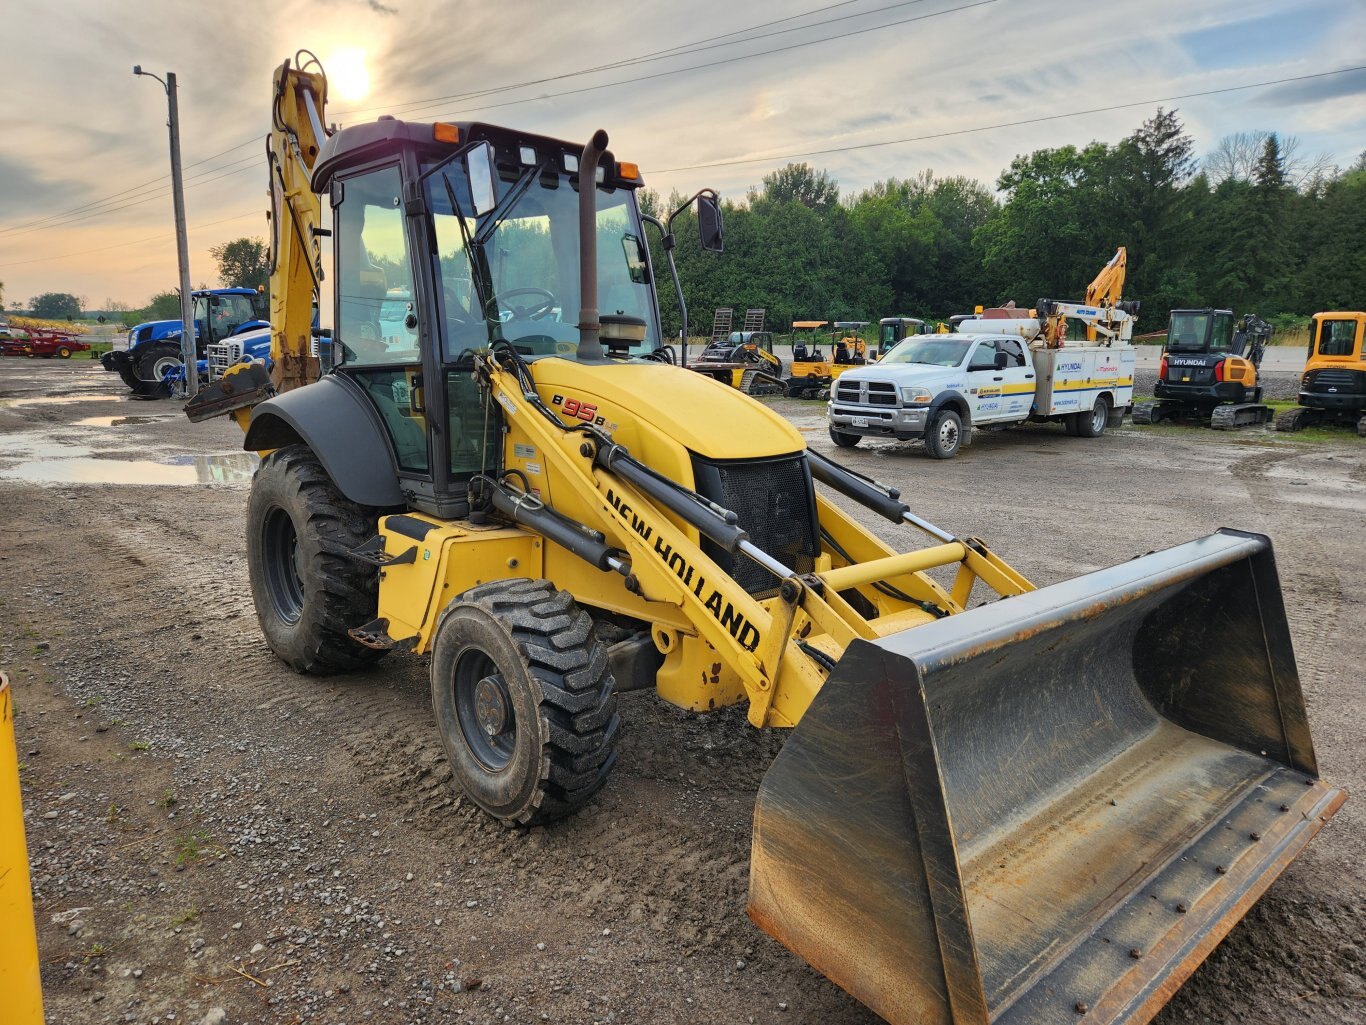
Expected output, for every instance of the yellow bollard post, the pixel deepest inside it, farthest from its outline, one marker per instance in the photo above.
(21, 985)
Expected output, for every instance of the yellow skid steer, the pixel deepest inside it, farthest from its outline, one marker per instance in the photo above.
(1043, 808)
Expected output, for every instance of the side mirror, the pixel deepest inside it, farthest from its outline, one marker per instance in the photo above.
(479, 169)
(1002, 361)
(709, 223)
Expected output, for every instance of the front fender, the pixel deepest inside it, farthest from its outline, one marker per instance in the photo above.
(336, 420)
(960, 405)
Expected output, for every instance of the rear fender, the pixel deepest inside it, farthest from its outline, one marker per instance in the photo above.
(338, 423)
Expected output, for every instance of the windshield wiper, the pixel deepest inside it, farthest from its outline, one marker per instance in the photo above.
(465, 237)
(510, 199)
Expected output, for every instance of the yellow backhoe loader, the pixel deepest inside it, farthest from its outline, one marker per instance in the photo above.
(1046, 807)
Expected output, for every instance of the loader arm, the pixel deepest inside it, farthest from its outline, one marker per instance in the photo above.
(781, 646)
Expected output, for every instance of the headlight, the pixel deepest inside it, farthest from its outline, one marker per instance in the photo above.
(916, 396)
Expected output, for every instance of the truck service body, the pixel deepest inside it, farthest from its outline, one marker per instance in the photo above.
(993, 372)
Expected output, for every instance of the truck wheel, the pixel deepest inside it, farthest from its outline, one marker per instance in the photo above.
(156, 362)
(523, 695)
(844, 440)
(1092, 424)
(307, 591)
(945, 435)
(63, 352)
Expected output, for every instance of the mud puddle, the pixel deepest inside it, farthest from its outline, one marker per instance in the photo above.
(225, 468)
(122, 421)
(56, 400)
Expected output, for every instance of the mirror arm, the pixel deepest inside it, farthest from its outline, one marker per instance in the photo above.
(667, 241)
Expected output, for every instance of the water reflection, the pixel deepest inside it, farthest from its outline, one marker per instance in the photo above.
(222, 468)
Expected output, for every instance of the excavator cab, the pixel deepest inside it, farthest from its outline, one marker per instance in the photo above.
(1333, 384)
(1209, 369)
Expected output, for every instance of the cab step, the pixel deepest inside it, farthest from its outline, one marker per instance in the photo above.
(375, 634)
(373, 552)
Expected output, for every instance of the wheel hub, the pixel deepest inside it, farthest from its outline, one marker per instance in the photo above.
(491, 705)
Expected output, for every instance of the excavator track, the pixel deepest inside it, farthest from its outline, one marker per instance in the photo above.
(1230, 417)
(1146, 412)
(1292, 419)
(757, 382)
(1361, 427)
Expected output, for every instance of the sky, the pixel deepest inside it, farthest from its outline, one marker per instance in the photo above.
(84, 197)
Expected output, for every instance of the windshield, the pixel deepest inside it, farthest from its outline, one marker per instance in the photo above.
(888, 336)
(223, 314)
(1337, 337)
(939, 351)
(515, 269)
(1186, 332)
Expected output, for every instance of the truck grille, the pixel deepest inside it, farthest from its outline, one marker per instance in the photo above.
(866, 393)
(776, 504)
(222, 355)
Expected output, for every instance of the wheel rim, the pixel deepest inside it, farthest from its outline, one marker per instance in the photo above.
(483, 708)
(1098, 417)
(284, 581)
(948, 433)
(163, 366)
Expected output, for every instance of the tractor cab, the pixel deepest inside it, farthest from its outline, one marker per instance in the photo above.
(892, 330)
(224, 312)
(449, 240)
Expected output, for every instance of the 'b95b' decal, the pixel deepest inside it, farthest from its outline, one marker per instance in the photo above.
(576, 410)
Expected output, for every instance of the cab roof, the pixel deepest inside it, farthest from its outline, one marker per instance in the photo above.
(388, 136)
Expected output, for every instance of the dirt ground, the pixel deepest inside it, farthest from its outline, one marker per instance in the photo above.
(209, 831)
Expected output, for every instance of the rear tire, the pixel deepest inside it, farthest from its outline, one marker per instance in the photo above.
(308, 593)
(523, 694)
(1092, 424)
(944, 436)
(63, 352)
(844, 440)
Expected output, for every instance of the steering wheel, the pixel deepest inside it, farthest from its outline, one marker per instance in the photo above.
(532, 311)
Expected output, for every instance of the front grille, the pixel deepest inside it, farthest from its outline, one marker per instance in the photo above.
(776, 504)
(222, 355)
(866, 393)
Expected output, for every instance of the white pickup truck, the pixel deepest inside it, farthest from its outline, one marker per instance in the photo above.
(990, 373)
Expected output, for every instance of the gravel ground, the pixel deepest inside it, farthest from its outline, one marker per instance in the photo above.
(215, 839)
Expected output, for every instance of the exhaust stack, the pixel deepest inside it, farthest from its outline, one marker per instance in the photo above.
(590, 343)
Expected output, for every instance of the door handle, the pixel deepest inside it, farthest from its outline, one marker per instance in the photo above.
(1029, 377)
(998, 378)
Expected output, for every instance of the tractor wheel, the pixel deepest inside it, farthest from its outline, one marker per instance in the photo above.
(308, 593)
(1092, 424)
(944, 436)
(844, 440)
(154, 364)
(63, 352)
(523, 694)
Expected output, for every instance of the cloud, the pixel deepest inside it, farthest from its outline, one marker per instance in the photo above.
(1316, 90)
(380, 8)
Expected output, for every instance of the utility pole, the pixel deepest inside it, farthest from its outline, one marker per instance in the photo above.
(188, 353)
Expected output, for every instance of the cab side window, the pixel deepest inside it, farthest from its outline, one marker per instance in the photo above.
(373, 264)
(1015, 354)
(984, 357)
(1337, 337)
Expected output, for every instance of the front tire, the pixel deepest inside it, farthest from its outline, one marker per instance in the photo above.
(308, 593)
(523, 695)
(844, 440)
(154, 364)
(63, 352)
(944, 437)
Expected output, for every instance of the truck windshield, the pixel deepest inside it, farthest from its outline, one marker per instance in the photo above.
(939, 351)
(514, 272)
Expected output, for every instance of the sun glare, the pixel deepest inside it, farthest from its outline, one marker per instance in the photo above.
(347, 75)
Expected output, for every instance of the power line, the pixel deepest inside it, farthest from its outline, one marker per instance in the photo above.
(1005, 124)
(727, 60)
(159, 194)
(16, 228)
(682, 49)
(134, 242)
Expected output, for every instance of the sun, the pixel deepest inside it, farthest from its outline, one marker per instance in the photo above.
(347, 75)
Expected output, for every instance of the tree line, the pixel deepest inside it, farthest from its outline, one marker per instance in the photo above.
(1257, 226)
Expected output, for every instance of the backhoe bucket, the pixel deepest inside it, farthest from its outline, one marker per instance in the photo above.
(1050, 808)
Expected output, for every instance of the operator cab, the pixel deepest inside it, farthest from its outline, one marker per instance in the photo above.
(452, 238)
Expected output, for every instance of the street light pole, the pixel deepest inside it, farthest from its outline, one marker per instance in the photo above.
(188, 351)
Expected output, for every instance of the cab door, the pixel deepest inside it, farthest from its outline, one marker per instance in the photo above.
(1000, 381)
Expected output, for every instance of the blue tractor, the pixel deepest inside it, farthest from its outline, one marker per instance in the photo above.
(152, 359)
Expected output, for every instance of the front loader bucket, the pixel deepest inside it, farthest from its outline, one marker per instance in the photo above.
(1050, 808)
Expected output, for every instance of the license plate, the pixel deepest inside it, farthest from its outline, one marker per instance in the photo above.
(859, 421)
(1185, 380)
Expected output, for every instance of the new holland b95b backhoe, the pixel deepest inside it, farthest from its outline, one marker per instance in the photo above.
(1050, 803)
